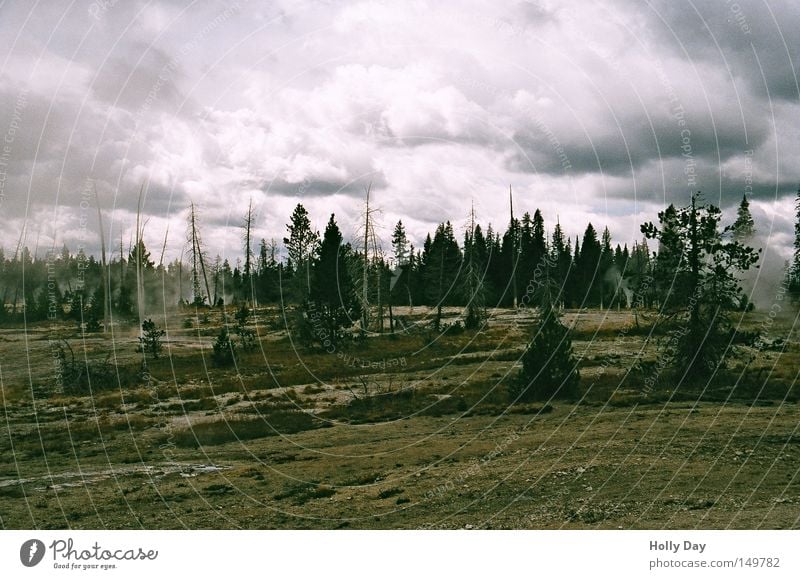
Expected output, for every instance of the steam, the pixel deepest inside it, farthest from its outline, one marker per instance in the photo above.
(765, 285)
(614, 278)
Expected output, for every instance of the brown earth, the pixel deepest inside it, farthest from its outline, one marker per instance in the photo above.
(411, 431)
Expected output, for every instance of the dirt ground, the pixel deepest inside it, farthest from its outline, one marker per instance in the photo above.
(412, 431)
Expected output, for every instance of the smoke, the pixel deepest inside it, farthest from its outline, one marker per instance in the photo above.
(766, 284)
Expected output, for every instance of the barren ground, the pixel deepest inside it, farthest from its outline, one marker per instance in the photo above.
(411, 431)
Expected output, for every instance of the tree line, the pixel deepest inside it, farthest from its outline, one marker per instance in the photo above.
(360, 281)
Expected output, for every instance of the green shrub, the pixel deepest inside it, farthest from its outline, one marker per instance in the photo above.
(150, 340)
(224, 350)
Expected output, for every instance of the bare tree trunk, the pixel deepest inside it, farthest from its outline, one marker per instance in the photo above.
(138, 246)
(514, 255)
(365, 289)
(104, 278)
(248, 273)
(197, 257)
(391, 317)
(139, 285)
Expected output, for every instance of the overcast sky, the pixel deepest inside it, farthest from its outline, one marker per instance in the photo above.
(591, 111)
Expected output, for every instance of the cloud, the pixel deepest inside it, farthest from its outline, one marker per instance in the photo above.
(600, 111)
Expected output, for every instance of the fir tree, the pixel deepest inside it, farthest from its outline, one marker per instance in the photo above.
(474, 276)
(744, 227)
(441, 270)
(549, 367)
(704, 286)
(588, 265)
(333, 304)
(150, 340)
(794, 268)
(302, 246)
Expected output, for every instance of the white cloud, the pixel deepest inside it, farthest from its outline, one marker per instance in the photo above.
(435, 103)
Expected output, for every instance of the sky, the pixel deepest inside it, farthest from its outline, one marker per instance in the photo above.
(591, 111)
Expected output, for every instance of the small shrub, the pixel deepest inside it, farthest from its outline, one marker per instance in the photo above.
(150, 340)
(549, 367)
(454, 329)
(247, 337)
(224, 349)
(303, 492)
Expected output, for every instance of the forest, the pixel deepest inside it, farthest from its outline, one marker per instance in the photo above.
(486, 268)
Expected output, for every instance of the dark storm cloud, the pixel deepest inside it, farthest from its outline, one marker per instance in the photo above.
(579, 105)
(755, 39)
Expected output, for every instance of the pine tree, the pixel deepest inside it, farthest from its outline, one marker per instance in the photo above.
(150, 339)
(704, 286)
(333, 303)
(588, 266)
(606, 279)
(560, 263)
(474, 276)
(549, 366)
(399, 284)
(744, 227)
(302, 246)
(441, 270)
(793, 274)
(509, 258)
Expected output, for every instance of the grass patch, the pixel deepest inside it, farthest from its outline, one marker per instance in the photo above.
(240, 429)
(301, 493)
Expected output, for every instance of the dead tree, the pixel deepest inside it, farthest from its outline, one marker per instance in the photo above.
(373, 257)
(104, 274)
(248, 253)
(197, 260)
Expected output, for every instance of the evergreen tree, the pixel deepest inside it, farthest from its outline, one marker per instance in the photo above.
(539, 241)
(150, 340)
(223, 350)
(494, 267)
(588, 266)
(421, 294)
(474, 275)
(704, 285)
(509, 255)
(333, 303)
(141, 250)
(441, 270)
(560, 263)
(302, 246)
(398, 284)
(248, 339)
(268, 275)
(641, 275)
(744, 227)
(793, 274)
(549, 366)
(607, 279)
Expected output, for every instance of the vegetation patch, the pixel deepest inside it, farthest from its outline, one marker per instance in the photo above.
(241, 429)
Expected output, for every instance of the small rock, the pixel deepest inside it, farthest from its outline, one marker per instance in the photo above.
(468, 527)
